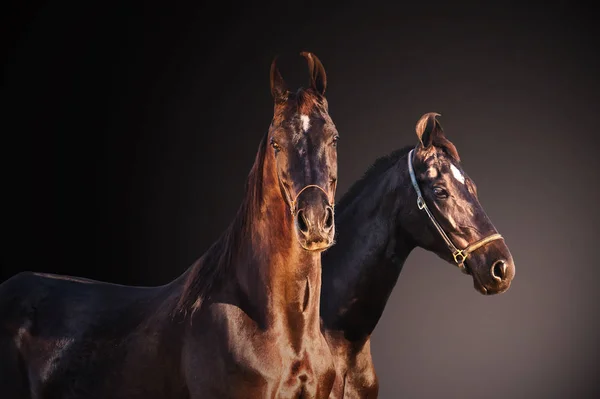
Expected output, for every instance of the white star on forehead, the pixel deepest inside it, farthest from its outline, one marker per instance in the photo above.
(305, 122)
(456, 173)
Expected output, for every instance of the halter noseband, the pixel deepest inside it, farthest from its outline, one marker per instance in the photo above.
(294, 202)
(459, 255)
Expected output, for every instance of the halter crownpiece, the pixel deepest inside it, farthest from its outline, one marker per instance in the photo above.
(459, 255)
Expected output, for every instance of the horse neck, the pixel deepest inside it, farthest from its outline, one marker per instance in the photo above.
(361, 269)
(278, 279)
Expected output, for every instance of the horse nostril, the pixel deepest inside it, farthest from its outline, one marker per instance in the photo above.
(499, 270)
(328, 218)
(302, 222)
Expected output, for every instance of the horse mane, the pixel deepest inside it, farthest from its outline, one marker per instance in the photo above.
(380, 165)
(215, 266)
(385, 162)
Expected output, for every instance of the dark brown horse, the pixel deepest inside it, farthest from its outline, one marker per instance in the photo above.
(242, 322)
(415, 197)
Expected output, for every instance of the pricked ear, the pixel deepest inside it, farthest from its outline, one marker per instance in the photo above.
(279, 89)
(318, 77)
(429, 129)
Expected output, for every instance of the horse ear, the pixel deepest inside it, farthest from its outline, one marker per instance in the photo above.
(279, 89)
(318, 77)
(429, 129)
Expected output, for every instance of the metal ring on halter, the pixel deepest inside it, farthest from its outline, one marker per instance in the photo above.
(294, 201)
(459, 255)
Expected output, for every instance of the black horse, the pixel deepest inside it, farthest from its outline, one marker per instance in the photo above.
(416, 196)
(242, 322)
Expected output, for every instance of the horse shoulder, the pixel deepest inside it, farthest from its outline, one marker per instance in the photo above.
(219, 361)
(361, 379)
(355, 371)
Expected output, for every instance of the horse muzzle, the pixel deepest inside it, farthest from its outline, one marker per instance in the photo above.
(314, 221)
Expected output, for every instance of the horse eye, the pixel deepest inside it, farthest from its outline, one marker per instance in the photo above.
(440, 192)
(275, 145)
(335, 140)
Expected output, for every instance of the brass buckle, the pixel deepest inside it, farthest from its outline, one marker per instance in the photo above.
(459, 258)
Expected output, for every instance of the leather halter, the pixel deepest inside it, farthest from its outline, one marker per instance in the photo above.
(459, 255)
(294, 203)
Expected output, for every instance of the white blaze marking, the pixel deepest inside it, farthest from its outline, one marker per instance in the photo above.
(456, 173)
(305, 122)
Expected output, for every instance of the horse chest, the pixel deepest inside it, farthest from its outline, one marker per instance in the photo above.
(247, 361)
(307, 374)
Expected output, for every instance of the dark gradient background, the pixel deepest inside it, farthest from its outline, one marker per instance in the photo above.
(128, 132)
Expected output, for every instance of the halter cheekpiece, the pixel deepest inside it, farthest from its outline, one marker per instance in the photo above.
(459, 255)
